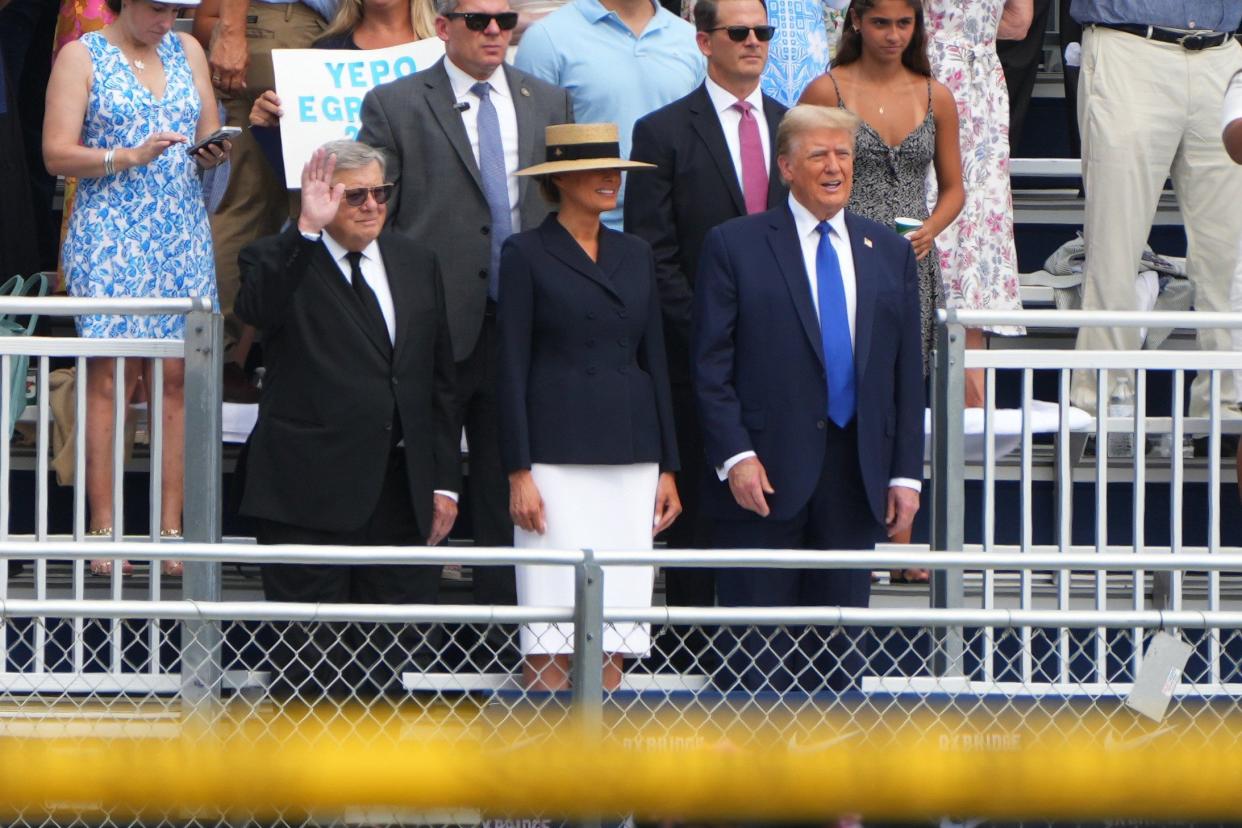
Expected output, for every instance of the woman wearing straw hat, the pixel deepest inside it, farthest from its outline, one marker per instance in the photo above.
(586, 413)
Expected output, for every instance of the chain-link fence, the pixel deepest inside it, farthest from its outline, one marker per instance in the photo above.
(289, 674)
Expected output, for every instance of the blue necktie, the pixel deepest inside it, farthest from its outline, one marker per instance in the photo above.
(834, 330)
(495, 180)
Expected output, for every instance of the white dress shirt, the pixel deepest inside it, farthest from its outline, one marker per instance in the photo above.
(807, 227)
(376, 276)
(373, 271)
(502, 99)
(730, 119)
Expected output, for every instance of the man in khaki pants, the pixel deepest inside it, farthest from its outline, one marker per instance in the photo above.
(239, 36)
(1149, 107)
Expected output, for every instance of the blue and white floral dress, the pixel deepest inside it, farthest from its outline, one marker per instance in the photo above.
(142, 232)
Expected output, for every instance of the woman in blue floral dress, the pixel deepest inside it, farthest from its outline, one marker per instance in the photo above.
(123, 105)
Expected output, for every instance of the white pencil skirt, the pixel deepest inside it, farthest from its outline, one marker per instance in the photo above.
(590, 507)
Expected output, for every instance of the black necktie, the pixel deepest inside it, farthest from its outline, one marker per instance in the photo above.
(370, 305)
(371, 308)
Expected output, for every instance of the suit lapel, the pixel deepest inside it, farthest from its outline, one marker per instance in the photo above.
(401, 289)
(707, 124)
(783, 239)
(611, 257)
(528, 126)
(864, 291)
(347, 299)
(773, 112)
(562, 246)
(442, 102)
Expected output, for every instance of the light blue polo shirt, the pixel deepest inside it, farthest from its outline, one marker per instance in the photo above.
(613, 75)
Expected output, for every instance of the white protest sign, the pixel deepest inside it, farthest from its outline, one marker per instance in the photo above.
(321, 92)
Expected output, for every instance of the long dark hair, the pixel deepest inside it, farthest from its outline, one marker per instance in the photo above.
(914, 58)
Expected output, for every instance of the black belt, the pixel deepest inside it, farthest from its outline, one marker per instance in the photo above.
(1193, 42)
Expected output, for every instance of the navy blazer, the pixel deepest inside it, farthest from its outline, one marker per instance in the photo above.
(759, 363)
(583, 375)
(693, 188)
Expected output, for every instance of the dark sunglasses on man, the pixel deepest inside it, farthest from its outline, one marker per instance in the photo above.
(738, 34)
(358, 195)
(478, 21)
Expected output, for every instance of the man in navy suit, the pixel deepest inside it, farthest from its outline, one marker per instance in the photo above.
(715, 160)
(809, 383)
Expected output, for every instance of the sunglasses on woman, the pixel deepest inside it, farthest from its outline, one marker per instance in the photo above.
(738, 34)
(478, 21)
(358, 196)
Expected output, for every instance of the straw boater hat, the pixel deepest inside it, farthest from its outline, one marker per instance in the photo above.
(582, 147)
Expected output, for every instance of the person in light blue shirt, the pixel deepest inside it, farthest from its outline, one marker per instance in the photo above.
(1204, 15)
(619, 59)
(1153, 78)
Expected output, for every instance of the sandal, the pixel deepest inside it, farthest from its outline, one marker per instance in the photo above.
(173, 569)
(103, 566)
(909, 576)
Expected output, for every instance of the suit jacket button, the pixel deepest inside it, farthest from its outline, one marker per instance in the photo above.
(591, 369)
(483, 274)
(622, 313)
(624, 342)
(590, 314)
(394, 380)
(821, 425)
(485, 229)
(387, 426)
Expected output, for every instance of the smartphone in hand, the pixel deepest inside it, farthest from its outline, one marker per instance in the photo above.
(221, 135)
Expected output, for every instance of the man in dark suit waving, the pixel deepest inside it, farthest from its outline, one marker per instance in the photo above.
(356, 442)
(715, 160)
(810, 391)
(455, 134)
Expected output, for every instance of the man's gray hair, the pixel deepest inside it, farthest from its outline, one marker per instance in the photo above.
(806, 117)
(354, 155)
(444, 7)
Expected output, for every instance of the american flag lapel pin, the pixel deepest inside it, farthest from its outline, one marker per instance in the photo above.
(867, 241)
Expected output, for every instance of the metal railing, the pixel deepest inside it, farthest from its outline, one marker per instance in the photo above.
(949, 512)
(1046, 633)
(201, 352)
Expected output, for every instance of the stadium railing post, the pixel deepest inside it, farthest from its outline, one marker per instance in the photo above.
(588, 662)
(948, 485)
(201, 643)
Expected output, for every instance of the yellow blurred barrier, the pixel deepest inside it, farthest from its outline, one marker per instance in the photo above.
(1028, 768)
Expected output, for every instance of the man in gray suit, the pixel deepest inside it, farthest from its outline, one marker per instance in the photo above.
(455, 134)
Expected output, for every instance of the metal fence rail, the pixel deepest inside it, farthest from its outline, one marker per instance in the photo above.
(200, 351)
(1034, 612)
(1114, 482)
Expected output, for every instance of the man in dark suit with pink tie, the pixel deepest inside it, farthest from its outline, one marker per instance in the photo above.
(808, 376)
(715, 158)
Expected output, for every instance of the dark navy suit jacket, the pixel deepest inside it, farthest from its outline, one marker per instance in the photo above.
(759, 364)
(583, 375)
(693, 188)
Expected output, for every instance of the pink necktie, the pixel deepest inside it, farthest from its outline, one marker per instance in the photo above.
(754, 166)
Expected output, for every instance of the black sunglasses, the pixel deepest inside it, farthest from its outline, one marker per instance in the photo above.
(738, 34)
(358, 196)
(478, 21)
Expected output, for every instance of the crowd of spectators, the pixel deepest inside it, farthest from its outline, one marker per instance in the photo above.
(531, 251)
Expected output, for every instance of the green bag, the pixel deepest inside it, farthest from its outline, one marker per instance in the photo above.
(15, 325)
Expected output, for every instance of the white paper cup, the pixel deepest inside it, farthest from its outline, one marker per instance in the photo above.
(904, 225)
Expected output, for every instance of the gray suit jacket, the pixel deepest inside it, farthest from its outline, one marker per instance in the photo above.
(439, 198)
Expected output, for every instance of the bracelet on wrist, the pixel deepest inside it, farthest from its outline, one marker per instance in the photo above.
(110, 162)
